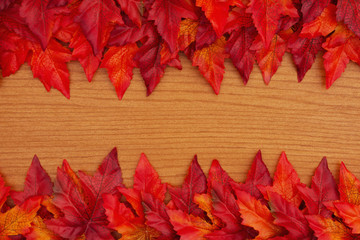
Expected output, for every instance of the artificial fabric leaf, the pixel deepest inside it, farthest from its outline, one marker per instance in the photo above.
(348, 11)
(50, 66)
(350, 214)
(40, 18)
(18, 219)
(119, 63)
(37, 183)
(285, 184)
(128, 33)
(323, 25)
(323, 189)
(303, 51)
(267, 14)
(257, 216)
(97, 19)
(187, 33)
(5, 4)
(349, 186)
(329, 229)
(210, 61)
(13, 51)
(257, 175)
(205, 34)
(311, 9)
(238, 17)
(39, 230)
(217, 13)
(83, 212)
(83, 52)
(290, 217)
(194, 183)
(167, 15)
(132, 9)
(4, 192)
(342, 46)
(147, 180)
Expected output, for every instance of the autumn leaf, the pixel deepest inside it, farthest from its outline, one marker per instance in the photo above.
(132, 9)
(323, 189)
(311, 9)
(205, 34)
(167, 15)
(348, 11)
(350, 214)
(194, 183)
(50, 66)
(187, 33)
(257, 216)
(342, 46)
(37, 183)
(349, 186)
(97, 19)
(40, 18)
(327, 228)
(269, 58)
(39, 230)
(82, 211)
(5, 4)
(210, 61)
(119, 63)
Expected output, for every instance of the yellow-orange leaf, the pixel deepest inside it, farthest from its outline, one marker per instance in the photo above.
(205, 203)
(187, 33)
(349, 186)
(210, 61)
(39, 230)
(328, 229)
(257, 216)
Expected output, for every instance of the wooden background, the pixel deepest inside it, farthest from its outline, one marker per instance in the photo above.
(181, 118)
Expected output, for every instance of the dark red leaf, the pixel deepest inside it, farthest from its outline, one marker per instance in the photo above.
(132, 9)
(348, 11)
(311, 9)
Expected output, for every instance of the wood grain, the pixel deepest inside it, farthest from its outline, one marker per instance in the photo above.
(181, 118)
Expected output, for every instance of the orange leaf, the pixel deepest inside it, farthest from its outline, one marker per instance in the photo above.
(210, 61)
(350, 214)
(349, 186)
(187, 33)
(257, 216)
(328, 229)
(119, 63)
(39, 230)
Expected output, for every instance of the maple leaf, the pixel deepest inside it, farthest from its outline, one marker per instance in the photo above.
(304, 52)
(323, 189)
(167, 15)
(257, 175)
(39, 230)
(119, 63)
(290, 217)
(311, 9)
(205, 34)
(37, 183)
(257, 216)
(350, 214)
(285, 184)
(342, 46)
(349, 186)
(13, 51)
(217, 13)
(269, 58)
(267, 14)
(210, 61)
(82, 51)
(187, 33)
(348, 11)
(97, 19)
(327, 228)
(83, 212)
(323, 25)
(132, 10)
(50, 66)
(40, 18)
(194, 183)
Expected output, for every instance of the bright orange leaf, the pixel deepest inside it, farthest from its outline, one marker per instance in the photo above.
(187, 33)
(328, 229)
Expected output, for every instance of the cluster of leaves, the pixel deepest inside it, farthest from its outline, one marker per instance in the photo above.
(120, 35)
(99, 206)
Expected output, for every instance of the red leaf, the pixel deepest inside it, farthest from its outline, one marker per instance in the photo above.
(269, 58)
(350, 214)
(348, 11)
(290, 217)
(147, 180)
(194, 183)
(132, 9)
(125, 34)
(285, 184)
(40, 18)
(83, 52)
(267, 14)
(83, 212)
(5, 4)
(342, 46)
(4, 192)
(205, 34)
(210, 61)
(37, 183)
(257, 175)
(167, 15)
(119, 63)
(50, 66)
(311, 9)
(323, 189)
(217, 13)
(97, 19)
